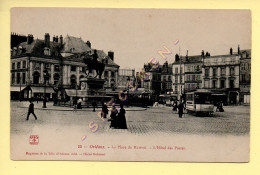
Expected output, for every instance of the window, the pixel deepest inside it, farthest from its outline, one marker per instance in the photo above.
(18, 65)
(169, 78)
(112, 74)
(47, 65)
(36, 77)
(180, 79)
(231, 84)
(176, 79)
(73, 81)
(106, 74)
(222, 83)
(206, 84)
(176, 70)
(73, 68)
(164, 78)
(242, 66)
(223, 71)
(56, 68)
(176, 88)
(232, 71)
(214, 71)
(181, 70)
(13, 78)
(18, 78)
(13, 65)
(24, 64)
(206, 72)
(23, 81)
(214, 82)
(56, 78)
(197, 77)
(193, 77)
(243, 77)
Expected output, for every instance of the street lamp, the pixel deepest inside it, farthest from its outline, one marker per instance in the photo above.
(46, 76)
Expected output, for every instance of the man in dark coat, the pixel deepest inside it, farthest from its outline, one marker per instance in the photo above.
(104, 110)
(180, 108)
(31, 110)
(94, 104)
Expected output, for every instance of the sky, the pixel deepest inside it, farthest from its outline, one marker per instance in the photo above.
(136, 35)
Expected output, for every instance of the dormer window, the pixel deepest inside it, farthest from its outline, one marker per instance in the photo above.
(47, 51)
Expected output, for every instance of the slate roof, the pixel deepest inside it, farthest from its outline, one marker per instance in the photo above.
(77, 44)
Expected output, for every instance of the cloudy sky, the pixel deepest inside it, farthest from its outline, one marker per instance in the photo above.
(136, 35)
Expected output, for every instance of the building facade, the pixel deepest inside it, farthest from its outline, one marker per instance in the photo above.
(245, 76)
(221, 76)
(32, 60)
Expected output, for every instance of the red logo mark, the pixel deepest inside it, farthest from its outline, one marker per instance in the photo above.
(34, 139)
(79, 146)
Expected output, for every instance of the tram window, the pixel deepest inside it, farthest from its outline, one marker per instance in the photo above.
(189, 97)
(202, 99)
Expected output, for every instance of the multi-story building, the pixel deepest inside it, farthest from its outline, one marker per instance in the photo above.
(178, 78)
(221, 76)
(33, 59)
(166, 78)
(126, 76)
(193, 73)
(245, 76)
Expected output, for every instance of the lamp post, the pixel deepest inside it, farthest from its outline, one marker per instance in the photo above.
(46, 76)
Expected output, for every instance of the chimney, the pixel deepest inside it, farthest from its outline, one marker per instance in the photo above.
(177, 58)
(61, 40)
(231, 51)
(29, 38)
(88, 44)
(202, 53)
(238, 50)
(111, 55)
(53, 38)
(187, 57)
(47, 40)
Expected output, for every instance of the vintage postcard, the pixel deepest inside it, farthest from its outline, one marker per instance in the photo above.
(130, 84)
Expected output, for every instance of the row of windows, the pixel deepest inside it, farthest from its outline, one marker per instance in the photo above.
(193, 68)
(21, 64)
(192, 77)
(20, 79)
(222, 71)
(222, 84)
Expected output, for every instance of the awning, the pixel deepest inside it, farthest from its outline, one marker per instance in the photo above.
(16, 88)
(41, 90)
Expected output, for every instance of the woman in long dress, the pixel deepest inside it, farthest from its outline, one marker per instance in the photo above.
(113, 117)
(121, 118)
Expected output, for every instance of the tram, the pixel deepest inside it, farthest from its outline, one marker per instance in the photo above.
(199, 101)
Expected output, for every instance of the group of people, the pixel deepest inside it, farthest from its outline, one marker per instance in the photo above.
(220, 107)
(117, 118)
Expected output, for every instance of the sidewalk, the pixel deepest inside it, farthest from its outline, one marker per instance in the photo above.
(25, 104)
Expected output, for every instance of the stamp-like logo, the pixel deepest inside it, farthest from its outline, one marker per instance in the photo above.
(34, 139)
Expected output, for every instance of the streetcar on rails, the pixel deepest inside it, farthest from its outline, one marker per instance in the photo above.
(200, 102)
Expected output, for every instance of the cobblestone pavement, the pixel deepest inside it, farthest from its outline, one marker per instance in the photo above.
(162, 120)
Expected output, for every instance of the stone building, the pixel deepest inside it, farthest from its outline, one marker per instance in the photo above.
(245, 76)
(221, 76)
(126, 76)
(166, 78)
(60, 59)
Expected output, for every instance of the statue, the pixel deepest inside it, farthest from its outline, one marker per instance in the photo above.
(93, 63)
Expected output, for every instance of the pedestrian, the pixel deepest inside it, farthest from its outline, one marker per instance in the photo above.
(31, 110)
(221, 107)
(175, 105)
(121, 124)
(114, 118)
(180, 108)
(94, 104)
(79, 106)
(104, 110)
(217, 109)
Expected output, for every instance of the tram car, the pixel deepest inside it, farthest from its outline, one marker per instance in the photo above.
(199, 101)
